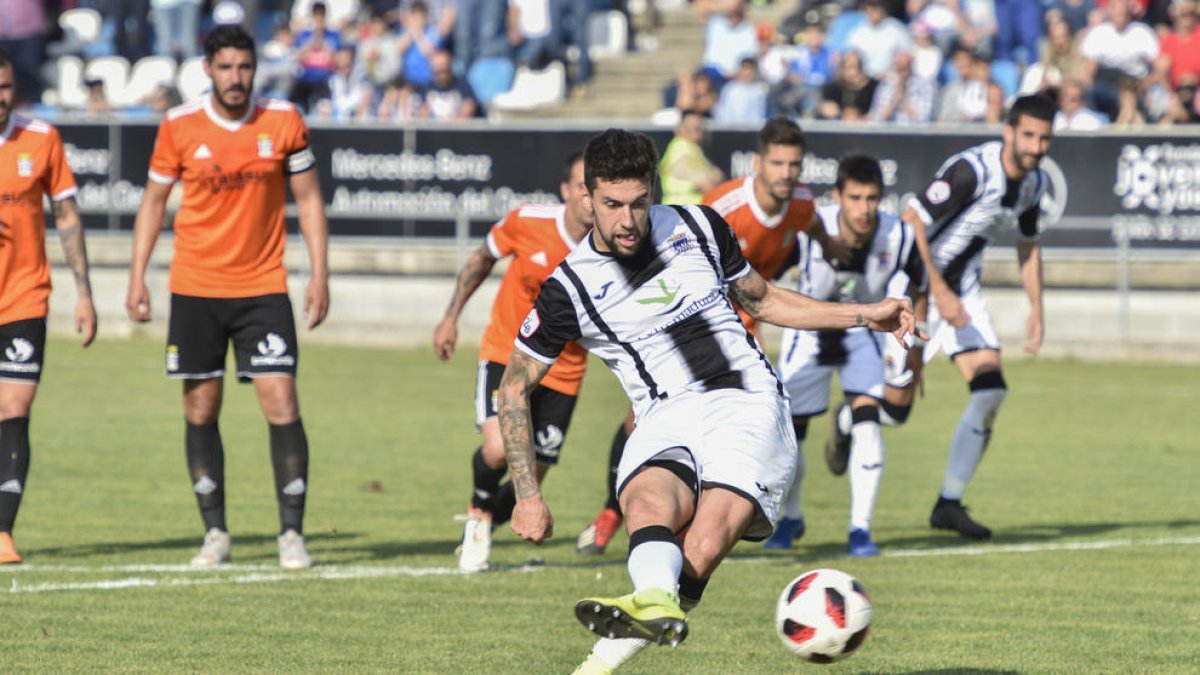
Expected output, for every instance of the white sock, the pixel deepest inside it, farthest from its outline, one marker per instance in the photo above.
(970, 440)
(616, 651)
(791, 503)
(866, 470)
(655, 564)
(845, 419)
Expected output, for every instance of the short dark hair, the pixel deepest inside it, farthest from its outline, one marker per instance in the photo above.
(617, 155)
(1037, 106)
(780, 131)
(319, 8)
(232, 35)
(570, 164)
(859, 168)
(5, 59)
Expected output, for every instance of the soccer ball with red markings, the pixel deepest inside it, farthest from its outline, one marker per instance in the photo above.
(823, 615)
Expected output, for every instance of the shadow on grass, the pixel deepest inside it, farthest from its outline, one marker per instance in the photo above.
(1035, 533)
(321, 539)
(950, 671)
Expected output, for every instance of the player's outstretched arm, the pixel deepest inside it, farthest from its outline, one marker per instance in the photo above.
(70, 233)
(146, 228)
(948, 304)
(767, 302)
(472, 274)
(1029, 253)
(310, 207)
(531, 518)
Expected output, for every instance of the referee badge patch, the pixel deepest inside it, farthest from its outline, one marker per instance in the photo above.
(937, 192)
(531, 323)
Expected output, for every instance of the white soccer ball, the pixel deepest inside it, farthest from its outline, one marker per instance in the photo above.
(823, 615)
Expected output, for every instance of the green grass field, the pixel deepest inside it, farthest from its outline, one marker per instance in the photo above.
(1090, 484)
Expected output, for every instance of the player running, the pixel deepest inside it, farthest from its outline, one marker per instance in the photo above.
(538, 237)
(712, 451)
(235, 153)
(884, 263)
(33, 165)
(977, 191)
(766, 210)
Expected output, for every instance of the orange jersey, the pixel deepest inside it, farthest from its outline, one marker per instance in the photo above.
(766, 241)
(32, 166)
(537, 239)
(229, 231)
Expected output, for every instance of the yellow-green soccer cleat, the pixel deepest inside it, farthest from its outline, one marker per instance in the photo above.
(652, 614)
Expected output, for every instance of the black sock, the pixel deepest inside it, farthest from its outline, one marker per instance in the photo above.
(691, 590)
(289, 455)
(487, 482)
(505, 502)
(614, 460)
(14, 468)
(206, 464)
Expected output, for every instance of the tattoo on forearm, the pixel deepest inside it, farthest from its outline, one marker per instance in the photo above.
(75, 253)
(859, 320)
(516, 426)
(751, 303)
(469, 279)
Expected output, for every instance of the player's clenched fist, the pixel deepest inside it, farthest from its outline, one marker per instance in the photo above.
(531, 520)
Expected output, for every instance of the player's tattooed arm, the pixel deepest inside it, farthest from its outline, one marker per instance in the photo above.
(70, 233)
(749, 292)
(470, 277)
(531, 518)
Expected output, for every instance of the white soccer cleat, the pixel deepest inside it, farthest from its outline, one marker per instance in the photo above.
(292, 553)
(214, 551)
(476, 547)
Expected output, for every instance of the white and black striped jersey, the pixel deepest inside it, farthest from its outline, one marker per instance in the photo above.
(969, 199)
(886, 267)
(661, 320)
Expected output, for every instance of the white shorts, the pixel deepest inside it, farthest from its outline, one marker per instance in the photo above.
(977, 334)
(807, 369)
(731, 439)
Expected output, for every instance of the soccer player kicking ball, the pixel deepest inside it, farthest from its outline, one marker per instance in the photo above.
(712, 451)
(885, 263)
(996, 184)
(236, 155)
(33, 165)
(537, 237)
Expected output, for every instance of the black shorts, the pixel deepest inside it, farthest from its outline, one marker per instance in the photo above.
(262, 328)
(551, 411)
(22, 350)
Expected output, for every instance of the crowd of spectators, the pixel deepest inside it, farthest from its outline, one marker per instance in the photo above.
(1107, 62)
(340, 59)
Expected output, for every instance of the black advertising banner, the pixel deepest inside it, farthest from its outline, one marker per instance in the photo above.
(430, 181)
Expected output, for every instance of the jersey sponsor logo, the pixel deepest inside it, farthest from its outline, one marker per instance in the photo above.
(227, 182)
(172, 358)
(266, 148)
(603, 291)
(202, 152)
(540, 258)
(531, 323)
(697, 306)
(24, 165)
(550, 440)
(667, 297)
(937, 192)
(272, 351)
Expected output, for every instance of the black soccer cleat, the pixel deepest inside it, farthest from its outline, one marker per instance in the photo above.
(950, 514)
(837, 446)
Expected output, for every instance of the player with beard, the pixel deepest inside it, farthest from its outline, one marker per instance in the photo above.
(766, 210)
(236, 155)
(996, 184)
(712, 453)
(33, 166)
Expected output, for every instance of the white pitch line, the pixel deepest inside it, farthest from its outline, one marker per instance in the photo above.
(260, 574)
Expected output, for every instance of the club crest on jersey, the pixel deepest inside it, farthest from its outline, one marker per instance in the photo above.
(25, 165)
(531, 323)
(937, 192)
(265, 147)
(680, 242)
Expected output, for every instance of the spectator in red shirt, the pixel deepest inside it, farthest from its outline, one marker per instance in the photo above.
(1179, 59)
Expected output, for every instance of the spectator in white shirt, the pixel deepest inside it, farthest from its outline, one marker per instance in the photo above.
(1115, 48)
(878, 39)
(1073, 114)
